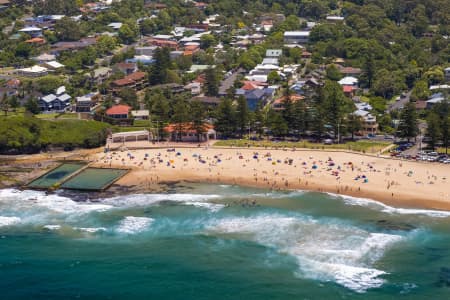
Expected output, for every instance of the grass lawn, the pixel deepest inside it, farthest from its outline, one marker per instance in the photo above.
(442, 150)
(359, 146)
(53, 116)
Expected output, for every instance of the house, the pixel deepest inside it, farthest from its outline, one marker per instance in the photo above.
(149, 50)
(100, 74)
(118, 111)
(434, 99)
(278, 104)
(163, 43)
(447, 73)
(274, 53)
(369, 122)
(349, 90)
(255, 97)
(44, 58)
(349, 71)
(186, 132)
(32, 31)
(125, 67)
(143, 59)
(115, 25)
(59, 101)
(142, 114)
(296, 37)
(35, 41)
(207, 101)
(34, 71)
(267, 25)
(335, 19)
(349, 80)
(263, 69)
(194, 87)
(52, 65)
(72, 46)
(270, 61)
(87, 102)
(136, 81)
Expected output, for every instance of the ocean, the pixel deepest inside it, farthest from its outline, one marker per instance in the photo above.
(219, 242)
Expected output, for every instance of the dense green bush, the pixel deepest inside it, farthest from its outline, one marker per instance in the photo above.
(21, 134)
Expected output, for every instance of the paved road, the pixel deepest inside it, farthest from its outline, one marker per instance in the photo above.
(400, 103)
(229, 82)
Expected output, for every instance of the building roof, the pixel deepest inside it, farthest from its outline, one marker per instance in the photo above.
(118, 110)
(35, 40)
(54, 64)
(296, 33)
(349, 80)
(30, 29)
(45, 57)
(34, 69)
(60, 90)
(140, 113)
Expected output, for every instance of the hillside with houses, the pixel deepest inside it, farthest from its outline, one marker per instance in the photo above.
(316, 70)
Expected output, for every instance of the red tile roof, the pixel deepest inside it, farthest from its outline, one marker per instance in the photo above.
(347, 88)
(118, 110)
(293, 98)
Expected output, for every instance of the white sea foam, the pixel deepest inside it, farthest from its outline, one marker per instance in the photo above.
(28, 199)
(8, 221)
(154, 199)
(131, 225)
(389, 209)
(52, 227)
(90, 229)
(326, 251)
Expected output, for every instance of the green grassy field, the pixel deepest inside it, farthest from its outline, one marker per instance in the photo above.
(359, 146)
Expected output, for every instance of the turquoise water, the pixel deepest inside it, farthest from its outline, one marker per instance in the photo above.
(219, 242)
(93, 179)
(56, 175)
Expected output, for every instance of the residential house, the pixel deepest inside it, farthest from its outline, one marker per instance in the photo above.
(349, 71)
(335, 19)
(87, 102)
(274, 53)
(136, 81)
(32, 31)
(115, 25)
(36, 41)
(52, 65)
(72, 46)
(45, 57)
(278, 104)
(162, 43)
(256, 97)
(149, 50)
(186, 132)
(142, 114)
(57, 102)
(143, 59)
(34, 71)
(296, 37)
(100, 75)
(194, 87)
(125, 67)
(350, 81)
(434, 99)
(211, 102)
(119, 111)
(447, 73)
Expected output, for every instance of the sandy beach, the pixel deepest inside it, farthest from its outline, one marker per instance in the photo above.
(394, 182)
